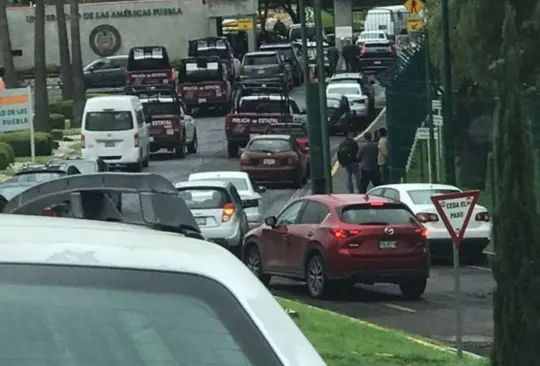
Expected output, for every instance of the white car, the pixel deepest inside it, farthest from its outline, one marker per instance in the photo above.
(370, 36)
(250, 194)
(418, 197)
(358, 101)
(138, 296)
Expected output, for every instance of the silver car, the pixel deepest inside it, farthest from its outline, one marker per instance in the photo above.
(358, 101)
(217, 208)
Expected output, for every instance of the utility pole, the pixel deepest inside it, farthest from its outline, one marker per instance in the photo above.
(449, 150)
(433, 166)
(321, 78)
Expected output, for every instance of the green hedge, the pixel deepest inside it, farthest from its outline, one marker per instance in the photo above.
(57, 134)
(57, 121)
(7, 155)
(20, 142)
(63, 107)
(53, 71)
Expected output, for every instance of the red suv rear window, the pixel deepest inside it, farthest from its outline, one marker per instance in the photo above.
(386, 214)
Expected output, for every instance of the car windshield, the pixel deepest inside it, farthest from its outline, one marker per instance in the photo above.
(8, 192)
(372, 35)
(220, 52)
(345, 90)
(146, 59)
(387, 214)
(269, 145)
(285, 51)
(108, 121)
(260, 60)
(124, 317)
(204, 198)
(296, 33)
(36, 177)
(261, 106)
(423, 196)
(295, 131)
(160, 109)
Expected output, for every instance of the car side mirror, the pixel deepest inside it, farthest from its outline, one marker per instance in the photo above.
(260, 189)
(303, 111)
(270, 221)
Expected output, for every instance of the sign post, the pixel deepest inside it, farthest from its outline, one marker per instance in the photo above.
(424, 133)
(455, 210)
(414, 21)
(17, 113)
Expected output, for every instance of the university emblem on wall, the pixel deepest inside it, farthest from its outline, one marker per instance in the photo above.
(105, 40)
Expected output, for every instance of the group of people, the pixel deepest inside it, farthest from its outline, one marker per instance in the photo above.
(350, 53)
(364, 161)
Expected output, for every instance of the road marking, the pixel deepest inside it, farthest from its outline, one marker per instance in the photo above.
(335, 167)
(487, 269)
(398, 307)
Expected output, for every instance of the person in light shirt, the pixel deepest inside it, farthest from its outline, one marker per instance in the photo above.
(2, 83)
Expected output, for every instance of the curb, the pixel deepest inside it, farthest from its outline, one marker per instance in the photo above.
(416, 339)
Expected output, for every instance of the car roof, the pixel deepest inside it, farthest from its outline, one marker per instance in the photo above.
(265, 97)
(347, 75)
(116, 57)
(284, 124)
(336, 96)
(219, 175)
(9, 183)
(262, 53)
(376, 40)
(341, 85)
(111, 101)
(336, 200)
(92, 243)
(415, 186)
(271, 137)
(203, 183)
(276, 45)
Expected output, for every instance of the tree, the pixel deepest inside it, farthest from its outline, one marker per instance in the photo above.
(79, 91)
(515, 269)
(41, 103)
(10, 74)
(63, 46)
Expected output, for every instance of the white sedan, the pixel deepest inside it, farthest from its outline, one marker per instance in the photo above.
(136, 296)
(250, 194)
(418, 197)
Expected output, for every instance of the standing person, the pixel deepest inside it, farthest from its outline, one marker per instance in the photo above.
(280, 28)
(383, 156)
(2, 83)
(348, 53)
(333, 58)
(356, 58)
(369, 167)
(348, 158)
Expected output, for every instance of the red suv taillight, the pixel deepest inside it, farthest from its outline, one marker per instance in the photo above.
(423, 232)
(344, 234)
(136, 139)
(83, 141)
(228, 212)
(482, 216)
(424, 217)
(228, 122)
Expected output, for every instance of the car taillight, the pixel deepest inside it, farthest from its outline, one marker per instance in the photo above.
(423, 232)
(129, 78)
(83, 141)
(363, 50)
(424, 217)
(482, 216)
(179, 91)
(376, 204)
(228, 122)
(344, 234)
(48, 212)
(136, 139)
(228, 211)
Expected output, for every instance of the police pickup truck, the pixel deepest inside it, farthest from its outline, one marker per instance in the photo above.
(255, 107)
(202, 83)
(149, 65)
(216, 47)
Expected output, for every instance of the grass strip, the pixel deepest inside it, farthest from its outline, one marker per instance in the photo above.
(343, 341)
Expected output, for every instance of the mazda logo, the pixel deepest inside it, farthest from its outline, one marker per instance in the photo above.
(389, 231)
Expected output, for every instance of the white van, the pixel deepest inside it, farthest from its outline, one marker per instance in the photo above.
(390, 19)
(114, 129)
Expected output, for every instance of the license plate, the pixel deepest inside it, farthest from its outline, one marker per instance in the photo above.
(109, 143)
(269, 161)
(387, 244)
(378, 62)
(151, 139)
(202, 100)
(200, 220)
(170, 132)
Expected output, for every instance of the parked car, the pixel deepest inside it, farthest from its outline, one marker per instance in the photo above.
(124, 288)
(367, 86)
(43, 172)
(149, 65)
(275, 159)
(358, 102)
(335, 241)
(377, 56)
(217, 208)
(108, 72)
(339, 117)
(291, 56)
(417, 196)
(85, 166)
(266, 67)
(249, 192)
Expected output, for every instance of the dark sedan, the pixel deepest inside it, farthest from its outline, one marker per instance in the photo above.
(339, 113)
(108, 72)
(275, 158)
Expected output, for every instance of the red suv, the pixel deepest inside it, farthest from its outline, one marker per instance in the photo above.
(341, 239)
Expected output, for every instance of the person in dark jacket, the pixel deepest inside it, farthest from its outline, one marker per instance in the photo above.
(369, 166)
(348, 158)
(280, 28)
(349, 53)
(333, 58)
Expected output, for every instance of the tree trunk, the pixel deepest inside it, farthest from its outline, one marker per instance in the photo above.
(63, 47)
(41, 98)
(263, 13)
(79, 91)
(10, 74)
(289, 9)
(516, 304)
